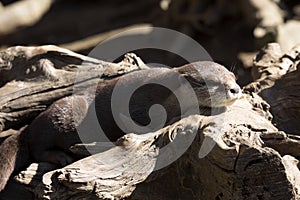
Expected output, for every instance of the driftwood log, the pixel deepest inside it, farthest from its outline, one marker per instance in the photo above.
(239, 154)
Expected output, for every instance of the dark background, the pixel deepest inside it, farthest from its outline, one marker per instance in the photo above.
(225, 28)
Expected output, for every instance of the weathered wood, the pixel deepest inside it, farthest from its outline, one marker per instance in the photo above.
(277, 82)
(238, 154)
(237, 158)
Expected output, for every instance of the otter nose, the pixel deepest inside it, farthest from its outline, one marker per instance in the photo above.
(235, 90)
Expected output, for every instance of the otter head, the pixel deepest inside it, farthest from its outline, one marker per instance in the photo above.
(213, 84)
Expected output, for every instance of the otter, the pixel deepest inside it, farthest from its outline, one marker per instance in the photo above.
(51, 134)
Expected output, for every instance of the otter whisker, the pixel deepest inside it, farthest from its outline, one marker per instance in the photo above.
(232, 68)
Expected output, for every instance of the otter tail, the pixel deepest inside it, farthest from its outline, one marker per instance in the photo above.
(14, 156)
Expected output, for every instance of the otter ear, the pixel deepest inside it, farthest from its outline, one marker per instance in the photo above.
(185, 76)
(199, 81)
